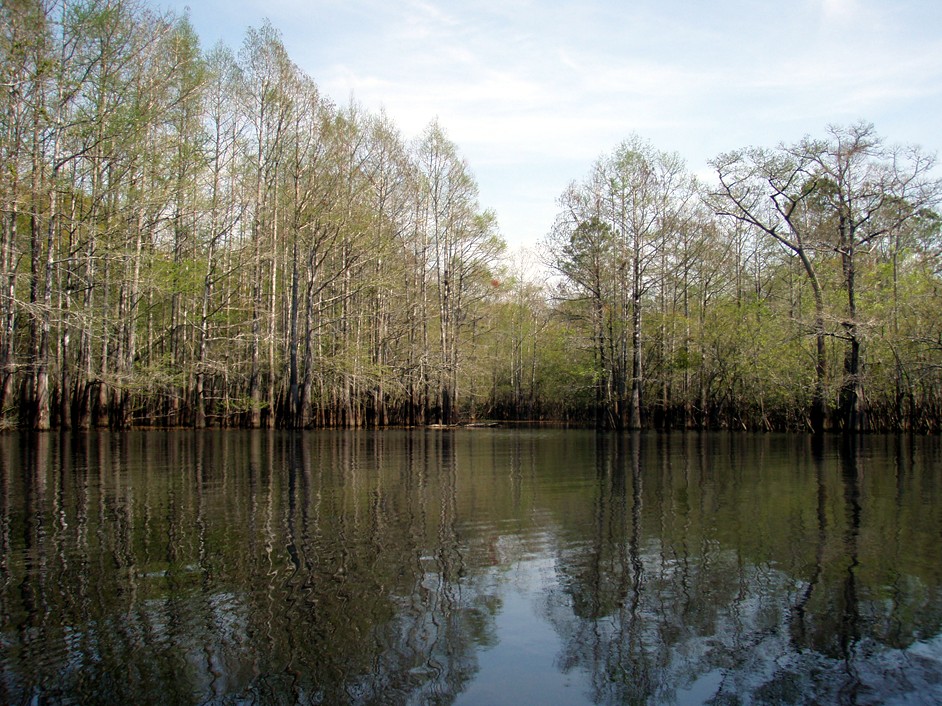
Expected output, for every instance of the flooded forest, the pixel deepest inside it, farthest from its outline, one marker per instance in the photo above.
(200, 237)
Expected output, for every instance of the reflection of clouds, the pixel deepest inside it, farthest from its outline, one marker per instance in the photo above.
(722, 631)
(774, 672)
(671, 596)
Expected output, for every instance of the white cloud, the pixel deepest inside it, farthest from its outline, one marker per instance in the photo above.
(839, 9)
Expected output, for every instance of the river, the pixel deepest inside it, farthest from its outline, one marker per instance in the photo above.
(469, 566)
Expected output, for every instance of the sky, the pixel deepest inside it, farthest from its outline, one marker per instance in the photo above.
(532, 92)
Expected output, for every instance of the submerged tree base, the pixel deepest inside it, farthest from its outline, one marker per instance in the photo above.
(717, 418)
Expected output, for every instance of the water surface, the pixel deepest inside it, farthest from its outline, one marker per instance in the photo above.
(470, 567)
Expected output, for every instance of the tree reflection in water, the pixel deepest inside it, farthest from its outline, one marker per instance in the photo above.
(360, 567)
(261, 567)
(713, 577)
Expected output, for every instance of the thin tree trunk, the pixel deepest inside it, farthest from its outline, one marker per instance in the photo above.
(35, 289)
(294, 394)
(634, 422)
(8, 308)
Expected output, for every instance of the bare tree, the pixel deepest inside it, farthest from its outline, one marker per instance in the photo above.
(867, 192)
(770, 191)
(822, 197)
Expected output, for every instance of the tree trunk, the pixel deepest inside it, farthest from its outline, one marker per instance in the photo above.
(634, 419)
(7, 306)
(850, 418)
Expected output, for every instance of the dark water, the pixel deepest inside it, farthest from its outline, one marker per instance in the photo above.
(469, 567)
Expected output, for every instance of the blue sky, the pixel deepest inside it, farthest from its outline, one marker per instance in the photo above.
(532, 92)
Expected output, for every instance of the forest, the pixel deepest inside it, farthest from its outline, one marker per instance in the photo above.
(201, 238)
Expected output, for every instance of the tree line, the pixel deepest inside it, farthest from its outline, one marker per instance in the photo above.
(800, 290)
(201, 238)
(193, 239)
